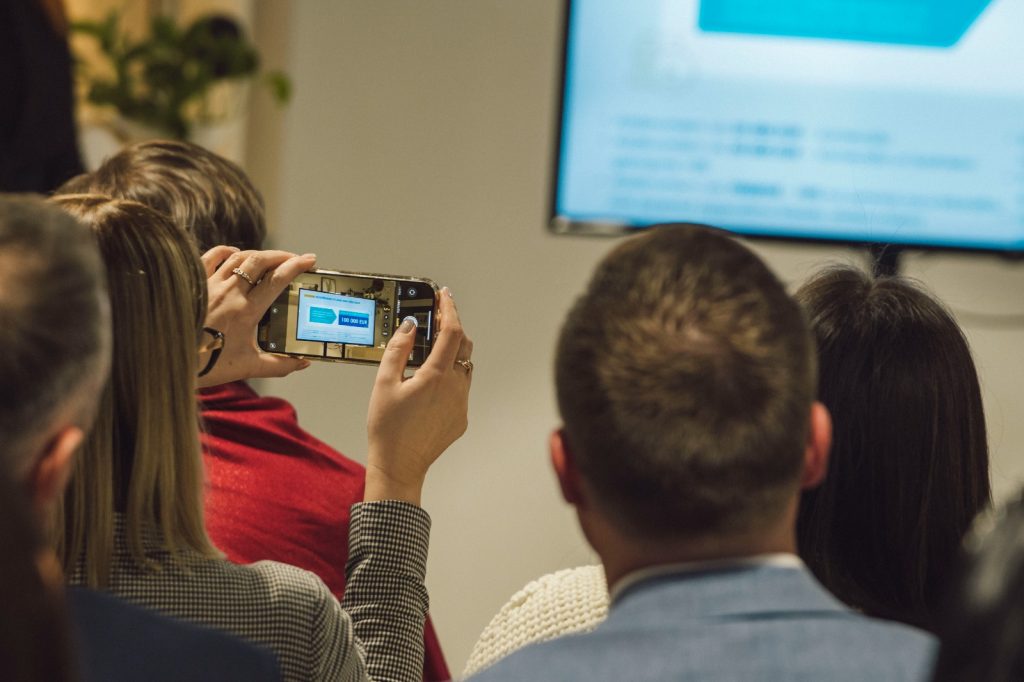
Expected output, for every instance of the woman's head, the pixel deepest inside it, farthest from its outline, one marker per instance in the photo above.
(142, 457)
(909, 464)
(205, 194)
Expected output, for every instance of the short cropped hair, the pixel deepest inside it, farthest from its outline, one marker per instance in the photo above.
(685, 379)
(54, 320)
(203, 193)
(909, 463)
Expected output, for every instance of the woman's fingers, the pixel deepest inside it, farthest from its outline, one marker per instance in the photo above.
(215, 256)
(449, 338)
(396, 354)
(255, 264)
(277, 279)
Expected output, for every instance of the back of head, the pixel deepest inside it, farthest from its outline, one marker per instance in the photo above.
(142, 458)
(34, 629)
(203, 193)
(54, 325)
(685, 380)
(982, 622)
(909, 466)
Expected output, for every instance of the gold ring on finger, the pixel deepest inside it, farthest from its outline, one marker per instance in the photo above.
(245, 275)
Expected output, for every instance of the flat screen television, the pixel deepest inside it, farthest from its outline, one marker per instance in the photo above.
(858, 121)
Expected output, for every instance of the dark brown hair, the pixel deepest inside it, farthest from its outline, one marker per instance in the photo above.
(909, 464)
(54, 319)
(203, 193)
(685, 378)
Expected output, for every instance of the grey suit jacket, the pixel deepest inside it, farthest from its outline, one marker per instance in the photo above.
(761, 623)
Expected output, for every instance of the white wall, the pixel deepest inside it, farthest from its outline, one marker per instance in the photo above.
(418, 142)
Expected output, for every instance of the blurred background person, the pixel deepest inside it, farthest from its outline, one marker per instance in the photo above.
(982, 625)
(38, 143)
(35, 632)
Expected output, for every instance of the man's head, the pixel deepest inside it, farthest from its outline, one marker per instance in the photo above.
(55, 336)
(686, 378)
(204, 194)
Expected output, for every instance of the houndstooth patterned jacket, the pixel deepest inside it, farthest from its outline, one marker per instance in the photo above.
(377, 634)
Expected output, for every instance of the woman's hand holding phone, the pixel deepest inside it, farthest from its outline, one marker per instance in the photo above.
(241, 286)
(412, 420)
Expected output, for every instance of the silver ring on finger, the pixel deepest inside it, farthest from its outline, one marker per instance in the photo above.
(465, 364)
(246, 276)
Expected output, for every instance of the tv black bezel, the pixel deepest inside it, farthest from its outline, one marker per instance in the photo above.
(563, 225)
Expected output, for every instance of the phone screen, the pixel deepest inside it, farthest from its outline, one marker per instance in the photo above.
(335, 318)
(348, 317)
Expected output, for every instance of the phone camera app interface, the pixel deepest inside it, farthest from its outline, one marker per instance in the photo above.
(335, 318)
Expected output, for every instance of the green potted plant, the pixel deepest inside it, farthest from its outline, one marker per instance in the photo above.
(166, 80)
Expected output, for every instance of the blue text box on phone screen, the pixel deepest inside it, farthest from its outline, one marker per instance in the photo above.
(335, 318)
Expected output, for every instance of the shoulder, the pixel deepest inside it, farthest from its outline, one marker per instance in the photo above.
(282, 584)
(258, 599)
(567, 601)
(725, 652)
(887, 638)
(119, 640)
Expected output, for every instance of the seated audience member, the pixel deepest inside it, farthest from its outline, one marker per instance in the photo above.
(35, 633)
(133, 520)
(274, 490)
(909, 464)
(982, 623)
(685, 378)
(908, 469)
(52, 375)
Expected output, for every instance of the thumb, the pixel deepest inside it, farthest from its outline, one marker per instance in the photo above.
(396, 355)
(270, 365)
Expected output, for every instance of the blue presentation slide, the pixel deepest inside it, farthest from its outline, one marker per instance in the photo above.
(856, 120)
(334, 318)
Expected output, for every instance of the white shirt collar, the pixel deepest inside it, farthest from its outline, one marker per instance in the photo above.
(778, 560)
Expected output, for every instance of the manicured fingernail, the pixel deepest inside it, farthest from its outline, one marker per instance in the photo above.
(447, 291)
(309, 255)
(408, 324)
(234, 249)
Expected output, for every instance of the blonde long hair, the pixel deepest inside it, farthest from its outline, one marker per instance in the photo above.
(143, 456)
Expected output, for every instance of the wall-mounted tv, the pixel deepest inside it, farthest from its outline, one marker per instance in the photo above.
(863, 121)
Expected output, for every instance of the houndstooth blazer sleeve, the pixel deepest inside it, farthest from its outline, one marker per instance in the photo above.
(385, 595)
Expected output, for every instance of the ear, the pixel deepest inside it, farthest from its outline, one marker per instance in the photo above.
(53, 468)
(819, 441)
(565, 469)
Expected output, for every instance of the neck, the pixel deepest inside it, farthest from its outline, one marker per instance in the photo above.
(622, 553)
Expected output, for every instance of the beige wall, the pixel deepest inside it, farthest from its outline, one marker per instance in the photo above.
(419, 143)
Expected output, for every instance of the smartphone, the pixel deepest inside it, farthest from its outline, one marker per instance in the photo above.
(349, 316)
